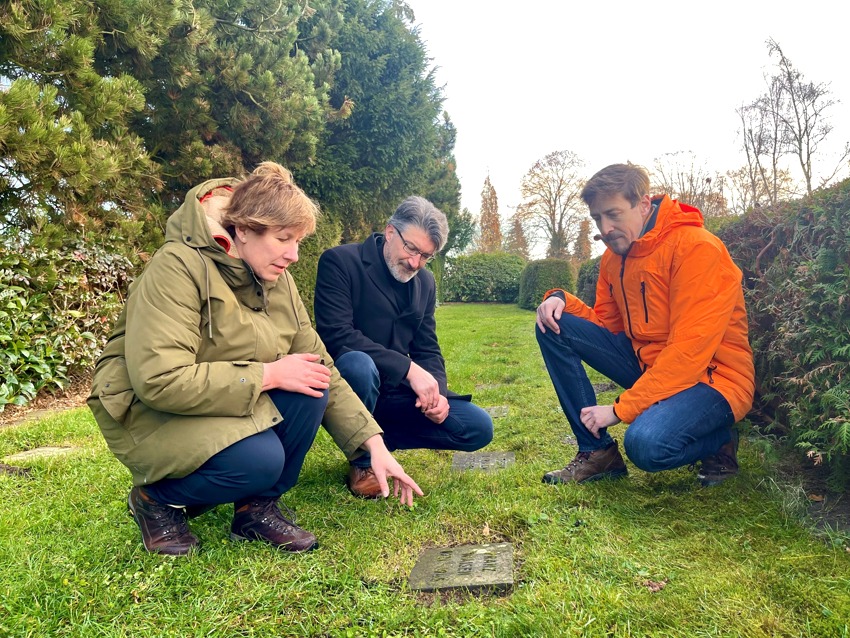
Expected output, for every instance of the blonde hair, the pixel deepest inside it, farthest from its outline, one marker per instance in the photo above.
(268, 198)
(629, 180)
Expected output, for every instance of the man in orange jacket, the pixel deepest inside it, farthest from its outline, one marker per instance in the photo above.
(669, 325)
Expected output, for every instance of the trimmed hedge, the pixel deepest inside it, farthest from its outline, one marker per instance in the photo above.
(796, 263)
(482, 277)
(542, 275)
(588, 275)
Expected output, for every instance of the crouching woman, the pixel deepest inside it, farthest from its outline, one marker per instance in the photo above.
(213, 384)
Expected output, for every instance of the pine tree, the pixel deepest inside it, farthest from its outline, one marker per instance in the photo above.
(515, 241)
(392, 145)
(581, 247)
(67, 154)
(490, 239)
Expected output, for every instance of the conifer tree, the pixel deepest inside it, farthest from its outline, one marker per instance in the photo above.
(490, 239)
(581, 248)
(67, 154)
(515, 241)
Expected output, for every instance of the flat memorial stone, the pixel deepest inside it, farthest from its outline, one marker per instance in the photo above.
(488, 567)
(487, 461)
(497, 411)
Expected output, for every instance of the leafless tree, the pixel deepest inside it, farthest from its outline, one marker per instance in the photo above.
(683, 177)
(551, 205)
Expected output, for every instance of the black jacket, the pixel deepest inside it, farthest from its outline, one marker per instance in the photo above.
(356, 309)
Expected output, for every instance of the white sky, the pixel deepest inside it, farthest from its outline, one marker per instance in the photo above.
(614, 81)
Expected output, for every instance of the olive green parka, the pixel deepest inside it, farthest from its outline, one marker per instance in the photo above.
(181, 376)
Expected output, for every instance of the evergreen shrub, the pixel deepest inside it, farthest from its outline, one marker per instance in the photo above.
(304, 271)
(482, 277)
(796, 262)
(57, 308)
(588, 275)
(542, 275)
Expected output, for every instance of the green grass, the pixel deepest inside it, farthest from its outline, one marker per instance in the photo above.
(736, 559)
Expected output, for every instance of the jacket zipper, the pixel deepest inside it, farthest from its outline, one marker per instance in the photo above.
(625, 299)
(711, 370)
(643, 296)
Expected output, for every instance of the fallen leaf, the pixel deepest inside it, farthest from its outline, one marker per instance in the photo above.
(655, 586)
(817, 498)
(486, 530)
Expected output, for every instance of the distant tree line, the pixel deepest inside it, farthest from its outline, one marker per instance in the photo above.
(781, 134)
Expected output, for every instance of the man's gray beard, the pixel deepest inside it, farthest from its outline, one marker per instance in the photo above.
(400, 274)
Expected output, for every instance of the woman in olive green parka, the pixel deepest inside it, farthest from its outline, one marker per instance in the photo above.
(214, 383)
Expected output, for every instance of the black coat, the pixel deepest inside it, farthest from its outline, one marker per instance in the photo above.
(356, 309)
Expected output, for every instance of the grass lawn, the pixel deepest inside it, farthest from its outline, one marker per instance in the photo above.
(735, 560)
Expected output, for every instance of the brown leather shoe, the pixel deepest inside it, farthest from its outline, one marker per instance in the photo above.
(363, 483)
(164, 528)
(716, 468)
(260, 519)
(591, 466)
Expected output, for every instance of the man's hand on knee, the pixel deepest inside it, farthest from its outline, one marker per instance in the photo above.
(425, 386)
(440, 412)
(548, 314)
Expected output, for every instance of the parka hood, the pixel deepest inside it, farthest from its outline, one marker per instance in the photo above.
(668, 215)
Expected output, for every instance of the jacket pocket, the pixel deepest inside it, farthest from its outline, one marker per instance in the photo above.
(116, 394)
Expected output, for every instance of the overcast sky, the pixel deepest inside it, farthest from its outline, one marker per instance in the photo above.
(615, 81)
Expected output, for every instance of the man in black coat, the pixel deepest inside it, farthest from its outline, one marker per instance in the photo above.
(374, 310)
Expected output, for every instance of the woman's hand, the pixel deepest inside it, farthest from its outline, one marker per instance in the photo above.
(384, 466)
(297, 373)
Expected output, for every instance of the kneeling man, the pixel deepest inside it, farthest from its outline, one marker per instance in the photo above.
(374, 310)
(669, 325)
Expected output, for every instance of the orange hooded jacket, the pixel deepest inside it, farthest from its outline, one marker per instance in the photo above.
(677, 294)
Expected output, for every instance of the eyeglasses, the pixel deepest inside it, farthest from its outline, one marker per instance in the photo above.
(412, 250)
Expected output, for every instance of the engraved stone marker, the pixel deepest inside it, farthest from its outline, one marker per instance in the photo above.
(487, 461)
(497, 411)
(488, 567)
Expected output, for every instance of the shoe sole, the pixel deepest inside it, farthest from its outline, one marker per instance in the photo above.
(613, 475)
(238, 538)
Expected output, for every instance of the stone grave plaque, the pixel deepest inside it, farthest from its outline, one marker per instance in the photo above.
(487, 461)
(497, 411)
(488, 567)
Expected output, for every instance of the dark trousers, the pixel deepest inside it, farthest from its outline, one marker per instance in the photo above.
(679, 430)
(467, 427)
(263, 465)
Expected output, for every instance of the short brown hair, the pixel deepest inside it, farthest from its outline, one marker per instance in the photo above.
(629, 180)
(268, 198)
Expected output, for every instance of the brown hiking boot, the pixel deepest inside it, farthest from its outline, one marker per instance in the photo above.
(164, 528)
(591, 466)
(716, 468)
(362, 482)
(260, 519)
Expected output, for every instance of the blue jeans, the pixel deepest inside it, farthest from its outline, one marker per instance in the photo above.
(263, 465)
(467, 427)
(679, 430)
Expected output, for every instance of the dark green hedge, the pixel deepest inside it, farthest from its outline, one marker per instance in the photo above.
(796, 262)
(304, 270)
(542, 275)
(588, 275)
(482, 277)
